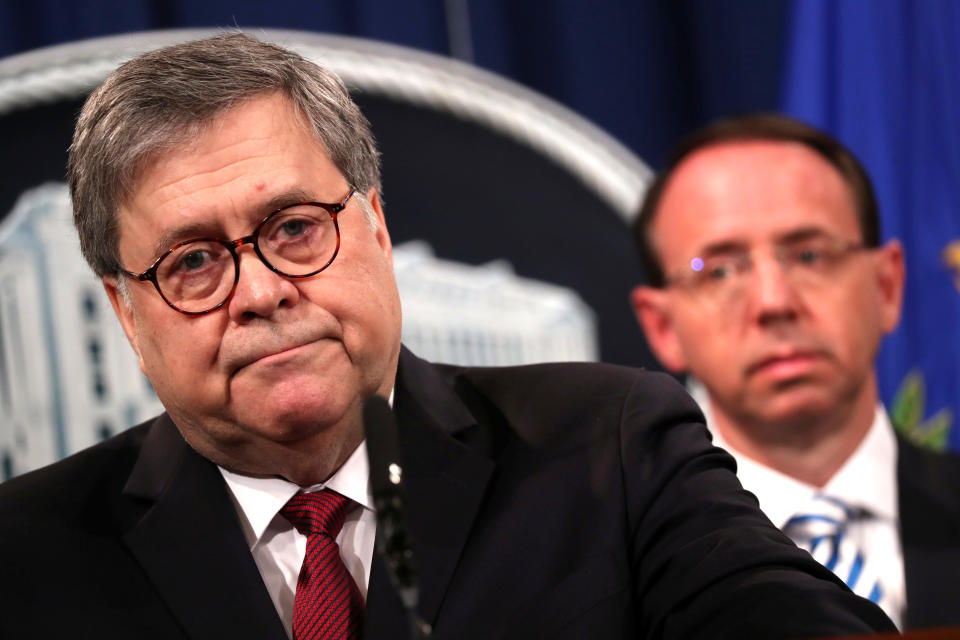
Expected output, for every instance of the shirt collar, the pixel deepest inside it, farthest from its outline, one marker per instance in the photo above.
(867, 479)
(258, 500)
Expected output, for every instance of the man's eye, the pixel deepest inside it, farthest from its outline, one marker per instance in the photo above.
(193, 260)
(293, 228)
(809, 256)
(720, 271)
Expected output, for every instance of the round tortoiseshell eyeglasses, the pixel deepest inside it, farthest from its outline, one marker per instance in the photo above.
(198, 276)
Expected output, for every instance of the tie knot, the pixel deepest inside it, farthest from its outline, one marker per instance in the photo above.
(322, 512)
(821, 529)
(823, 516)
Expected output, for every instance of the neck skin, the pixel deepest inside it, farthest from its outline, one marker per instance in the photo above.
(810, 447)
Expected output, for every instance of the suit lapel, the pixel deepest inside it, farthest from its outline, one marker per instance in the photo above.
(190, 544)
(444, 481)
(930, 531)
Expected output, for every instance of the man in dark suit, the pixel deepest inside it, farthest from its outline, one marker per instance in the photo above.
(227, 193)
(768, 283)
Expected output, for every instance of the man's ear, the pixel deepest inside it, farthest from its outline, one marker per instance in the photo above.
(891, 274)
(652, 309)
(383, 236)
(124, 312)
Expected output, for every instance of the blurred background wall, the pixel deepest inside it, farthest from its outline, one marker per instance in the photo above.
(646, 71)
(882, 75)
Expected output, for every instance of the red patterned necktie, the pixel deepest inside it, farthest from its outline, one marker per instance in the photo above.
(328, 604)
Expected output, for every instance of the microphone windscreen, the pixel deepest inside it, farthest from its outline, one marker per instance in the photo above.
(383, 444)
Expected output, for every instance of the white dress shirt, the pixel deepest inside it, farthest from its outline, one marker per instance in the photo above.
(868, 479)
(278, 548)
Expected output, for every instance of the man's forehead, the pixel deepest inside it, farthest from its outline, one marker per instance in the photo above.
(742, 170)
(256, 158)
(256, 122)
(752, 191)
(257, 144)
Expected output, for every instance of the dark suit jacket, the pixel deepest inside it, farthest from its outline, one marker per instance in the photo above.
(929, 485)
(551, 501)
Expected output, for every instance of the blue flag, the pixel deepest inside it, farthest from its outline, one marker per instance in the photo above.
(884, 78)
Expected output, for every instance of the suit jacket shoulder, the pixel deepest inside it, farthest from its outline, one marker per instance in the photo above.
(563, 404)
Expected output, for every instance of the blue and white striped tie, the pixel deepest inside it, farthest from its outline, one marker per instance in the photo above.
(822, 530)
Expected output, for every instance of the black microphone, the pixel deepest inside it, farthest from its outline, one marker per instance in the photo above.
(394, 541)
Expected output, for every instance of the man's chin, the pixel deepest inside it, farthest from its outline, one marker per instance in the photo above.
(286, 424)
(795, 406)
(294, 398)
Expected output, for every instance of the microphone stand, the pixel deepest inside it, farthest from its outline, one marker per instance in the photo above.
(396, 547)
(393, 540)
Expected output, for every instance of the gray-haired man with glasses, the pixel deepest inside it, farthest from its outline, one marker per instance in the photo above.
(768, 283)
(227, 193)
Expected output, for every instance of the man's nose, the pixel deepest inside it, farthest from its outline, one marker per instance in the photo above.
(771, 295)
(259, 291)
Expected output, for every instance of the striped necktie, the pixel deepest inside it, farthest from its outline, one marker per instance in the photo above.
(327, 604)
(822, 530)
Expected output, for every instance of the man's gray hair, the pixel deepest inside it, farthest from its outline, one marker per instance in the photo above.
(161, 100)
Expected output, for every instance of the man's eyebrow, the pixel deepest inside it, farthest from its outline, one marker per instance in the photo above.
(801, 234)
(287, 197)
(722, 247)
(188, 231)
